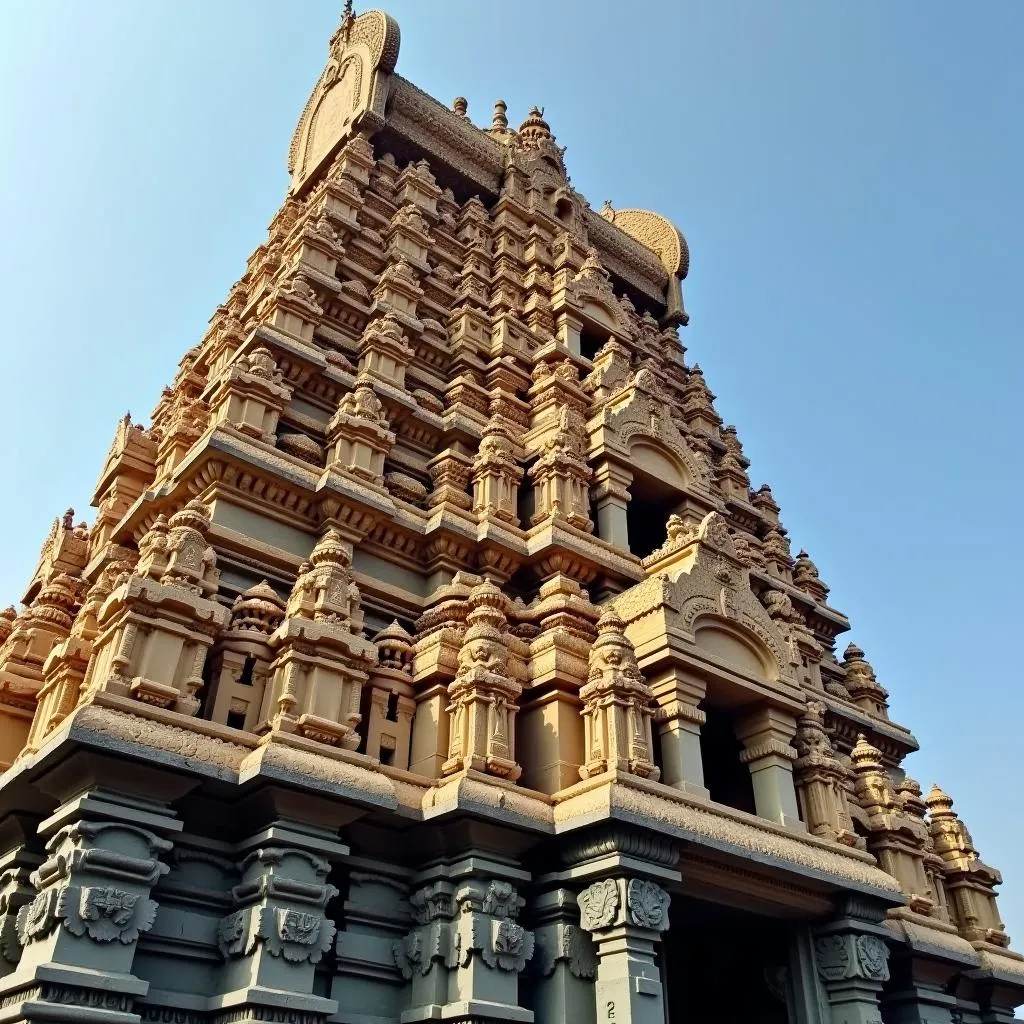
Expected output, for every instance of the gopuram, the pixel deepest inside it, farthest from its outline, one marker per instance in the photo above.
(431, 657)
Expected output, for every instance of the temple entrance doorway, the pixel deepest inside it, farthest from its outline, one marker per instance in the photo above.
(722, 965)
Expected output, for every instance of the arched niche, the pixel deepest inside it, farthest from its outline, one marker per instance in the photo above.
(736, 647)
(657, 488)
(598, 316)
(659, 463)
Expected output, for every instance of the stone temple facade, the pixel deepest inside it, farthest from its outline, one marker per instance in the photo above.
(431, 658)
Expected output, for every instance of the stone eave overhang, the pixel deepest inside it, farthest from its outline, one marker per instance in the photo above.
(893, 737)
(822, 618)
(720, 830)
(233, 763)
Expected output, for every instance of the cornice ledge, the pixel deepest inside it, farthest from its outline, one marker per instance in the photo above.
(300, 763)
(302, 350)
(1007, 968)
(484, 797)
(229, 442)
(882, 726)
(441, 133)
(928, 937)
(649, 805)
(151, 737)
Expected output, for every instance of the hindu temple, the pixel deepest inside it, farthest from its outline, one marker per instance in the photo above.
(430, 655)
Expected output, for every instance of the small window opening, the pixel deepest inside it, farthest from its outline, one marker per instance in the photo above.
(591, 342)
(246, 677)
(236, 720)
(387, 757)
(725, 775)
(563, 210)
(651, 502)
(392, 712)
(526, 502)
(204, 694)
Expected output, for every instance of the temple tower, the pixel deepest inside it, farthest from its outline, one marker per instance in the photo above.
(431, 656)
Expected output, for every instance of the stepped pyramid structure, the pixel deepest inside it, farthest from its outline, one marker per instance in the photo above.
(430, 657)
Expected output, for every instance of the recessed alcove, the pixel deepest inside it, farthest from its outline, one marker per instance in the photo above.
(726, 777)
(651, 502)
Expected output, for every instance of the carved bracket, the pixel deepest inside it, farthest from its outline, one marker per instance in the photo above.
(841, 957)
(613, 902)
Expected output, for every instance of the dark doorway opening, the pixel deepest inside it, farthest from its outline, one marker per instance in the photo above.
(651, 502)
(725, 965)
(591, 343)
(725, 775)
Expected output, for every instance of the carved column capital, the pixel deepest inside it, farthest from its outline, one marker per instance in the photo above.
(615, 902)
(852, 959)
(844, 956)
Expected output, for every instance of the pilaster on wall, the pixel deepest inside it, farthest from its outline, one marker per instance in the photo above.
(467, 949)
(368, 984)
(618, 878)
(565, 961)
(626, 917)
(920, 990)
(22, 855)
(104, 852)
(852, 958)
(278, 930)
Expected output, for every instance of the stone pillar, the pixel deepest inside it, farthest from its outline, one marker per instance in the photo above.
(920, 990)
(626, 917)
(610, 493)
(766, 736)
(567, 330)
(678, 694)
(618, 873)
(92, 902)
(852, 958)
(466, 953)
(278, 932)
(806, 1002)
(565, 961)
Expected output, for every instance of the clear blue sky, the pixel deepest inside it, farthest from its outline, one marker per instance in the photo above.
(849, 179)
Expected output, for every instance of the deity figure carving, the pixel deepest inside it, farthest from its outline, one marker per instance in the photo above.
(321, 658)
(482, 697)
(617, 706)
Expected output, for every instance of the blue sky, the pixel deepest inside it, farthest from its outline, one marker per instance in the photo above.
(848, 177)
